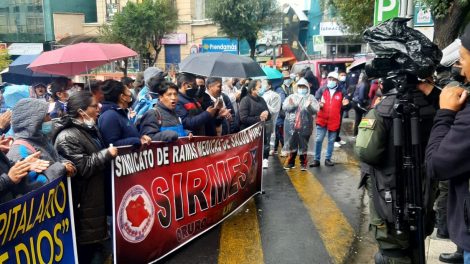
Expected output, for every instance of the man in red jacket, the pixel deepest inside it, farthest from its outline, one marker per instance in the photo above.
(328, 118)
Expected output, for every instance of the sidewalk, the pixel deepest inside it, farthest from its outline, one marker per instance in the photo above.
(435, 246)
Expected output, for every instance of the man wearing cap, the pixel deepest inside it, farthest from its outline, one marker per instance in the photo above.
(448, 150)
(329, 117)
(148, 74)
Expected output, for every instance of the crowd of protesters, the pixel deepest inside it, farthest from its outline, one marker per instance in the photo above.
(74, 131)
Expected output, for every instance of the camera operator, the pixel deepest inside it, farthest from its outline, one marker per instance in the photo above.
(376, 151)
(448, 150)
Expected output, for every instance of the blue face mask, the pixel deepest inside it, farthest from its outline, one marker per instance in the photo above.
(302, 91)
(46, 127)
(262, 90)
(331, 84)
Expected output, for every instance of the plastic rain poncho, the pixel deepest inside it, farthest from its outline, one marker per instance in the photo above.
(301, 110)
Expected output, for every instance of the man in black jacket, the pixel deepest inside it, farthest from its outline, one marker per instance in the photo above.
(448, 151)
(223, 123)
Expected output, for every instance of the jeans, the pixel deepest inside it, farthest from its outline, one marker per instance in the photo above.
(321, 132)
(466, 257)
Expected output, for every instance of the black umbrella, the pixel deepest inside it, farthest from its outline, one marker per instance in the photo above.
(215, 64)
(18, 72)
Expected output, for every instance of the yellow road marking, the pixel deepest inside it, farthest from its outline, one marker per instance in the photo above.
(240, 239)
(335, 230)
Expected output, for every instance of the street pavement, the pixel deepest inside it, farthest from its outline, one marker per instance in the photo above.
(314, 216)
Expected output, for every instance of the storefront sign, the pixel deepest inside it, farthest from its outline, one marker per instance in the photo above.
(175, 39)
(220, 45)
(330, 29)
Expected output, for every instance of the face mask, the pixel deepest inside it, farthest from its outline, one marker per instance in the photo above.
(342, 78)
(302, 91)
(89, 122)
(46, 127)
(191, 93)
(331, 84)
(287, 82)
(262, 90)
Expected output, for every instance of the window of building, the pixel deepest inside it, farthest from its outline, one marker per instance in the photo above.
(199, 10)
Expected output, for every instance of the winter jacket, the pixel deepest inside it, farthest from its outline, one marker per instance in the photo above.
(26, 122)
(447, 159)
(251, 108)
(161, 124)
(361, 95)
(305, 107)
(329, 115)
(192, 115)
(58, 109)
(228, 127)
(273, 101)
(283, 92)
(5, 182)
(115, 126)
(83, 146)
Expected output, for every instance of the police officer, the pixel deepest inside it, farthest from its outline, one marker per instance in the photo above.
(376, 151)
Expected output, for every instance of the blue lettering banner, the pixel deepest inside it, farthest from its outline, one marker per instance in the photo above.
(38, 227)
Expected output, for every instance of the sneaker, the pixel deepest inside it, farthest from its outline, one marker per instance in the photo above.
(289, 166)
(329, 163)
(342, 142)
(315, 163)
(271, 152)
(265, 164)
(303, 167)
(283, 154)
(337, 145)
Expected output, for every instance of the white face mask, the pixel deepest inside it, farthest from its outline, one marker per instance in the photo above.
(89, 122)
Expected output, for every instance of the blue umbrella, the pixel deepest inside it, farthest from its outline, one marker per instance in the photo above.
(18, 72)
(272, 73)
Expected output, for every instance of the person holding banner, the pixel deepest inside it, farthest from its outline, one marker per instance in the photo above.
(77, 138)
(253, 109)
(11, 174)
(162, 123)
(32, 126)
(114, 124)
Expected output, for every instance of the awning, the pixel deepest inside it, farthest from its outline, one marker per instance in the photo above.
(280, 61)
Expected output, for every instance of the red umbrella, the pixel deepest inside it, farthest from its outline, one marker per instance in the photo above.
(79, 58)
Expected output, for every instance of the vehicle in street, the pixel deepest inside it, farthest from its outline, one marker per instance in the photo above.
(318, 65)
